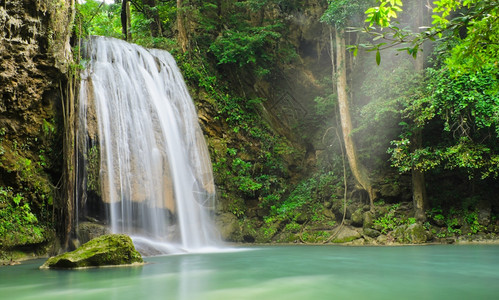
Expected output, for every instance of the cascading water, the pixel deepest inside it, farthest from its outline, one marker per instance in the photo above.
(155, 172)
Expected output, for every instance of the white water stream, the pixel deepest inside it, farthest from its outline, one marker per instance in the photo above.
(155, 170)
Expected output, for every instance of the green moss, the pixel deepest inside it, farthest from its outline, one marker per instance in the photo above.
(316, 236)
(18, 225)
(111, 249)
(344, 240)
(93, 168)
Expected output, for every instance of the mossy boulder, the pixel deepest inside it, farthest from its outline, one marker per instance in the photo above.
(346, 234)
(106, 250)
(417, 233)
(358, 218)
(372, 233)
(412, 234)
(368, 219)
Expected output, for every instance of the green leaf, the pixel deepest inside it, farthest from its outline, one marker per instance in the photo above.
(378, 57)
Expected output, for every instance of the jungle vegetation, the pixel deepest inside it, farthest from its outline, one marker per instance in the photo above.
(406, 101)
(412, 91)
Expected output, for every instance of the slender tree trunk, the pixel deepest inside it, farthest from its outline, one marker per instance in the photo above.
(418, 184)
(182, 31)
(333, 64)
(419, 198)
(126, 21)
(358, 170)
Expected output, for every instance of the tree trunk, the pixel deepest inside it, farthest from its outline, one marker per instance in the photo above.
(419, 199)
(182, 32)
(419, 195)
(418, 179)
(358, 170)
(126, 21)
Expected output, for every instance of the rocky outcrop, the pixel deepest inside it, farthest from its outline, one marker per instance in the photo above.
(106, 250)
(229, 227)
(35, 58)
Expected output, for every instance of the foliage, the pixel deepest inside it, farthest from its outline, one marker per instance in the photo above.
(466, 105)
(454, 104)
(254, 43)
(246, 46)
(26, 192)
(18, 225)
(301, 195)
(454, 220)
(254, 169)
(479, 18)
(305, 202)
(479, 49)
(98, 18)
(340, 12)
(387, 90)
(384, 13)
(389, 221)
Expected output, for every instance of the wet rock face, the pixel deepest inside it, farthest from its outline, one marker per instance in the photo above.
(34, 59)
(229, 227)
(106, 250)
(34, 55)
(88, 231)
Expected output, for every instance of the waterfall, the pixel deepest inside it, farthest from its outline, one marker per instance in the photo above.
(155, 177)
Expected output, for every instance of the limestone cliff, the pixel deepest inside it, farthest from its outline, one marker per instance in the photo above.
(35, 58)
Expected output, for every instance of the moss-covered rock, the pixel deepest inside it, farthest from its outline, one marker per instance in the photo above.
(417, 233)
(346, 234)
(357, 218)
(372, 233)
(106, 250)
(368, 219)
(412, 234)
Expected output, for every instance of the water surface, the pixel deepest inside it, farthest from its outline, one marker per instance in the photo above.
(276, 272)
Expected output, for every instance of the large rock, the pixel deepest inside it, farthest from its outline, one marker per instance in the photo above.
(228, 226)
(484, 213)
(417, 233)
(106, 250)
(368, 219)
(358, 218)
(346, 234)
(87, 231)
(412, 234)
(372, 233)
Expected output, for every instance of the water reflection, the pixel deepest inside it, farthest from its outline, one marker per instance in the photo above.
(193, 280)
(309, 272)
